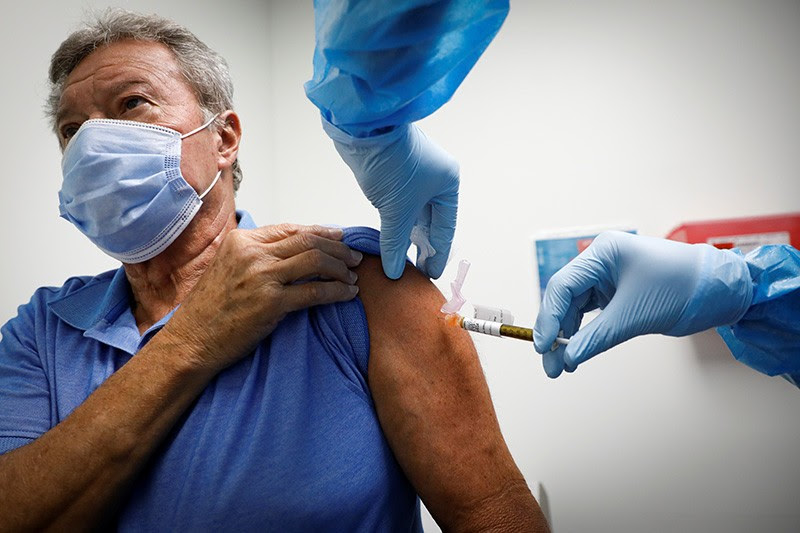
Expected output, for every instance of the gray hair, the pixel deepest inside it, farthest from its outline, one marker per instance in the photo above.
(204, 70)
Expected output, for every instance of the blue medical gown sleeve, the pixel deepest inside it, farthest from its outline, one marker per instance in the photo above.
(767, 338)
(379, 64)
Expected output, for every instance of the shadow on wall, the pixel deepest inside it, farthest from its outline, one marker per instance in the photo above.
(540, 493)
(715, 362)
(711, 352)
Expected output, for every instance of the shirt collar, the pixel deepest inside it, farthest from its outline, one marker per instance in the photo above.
(101, 308)
(245, 220)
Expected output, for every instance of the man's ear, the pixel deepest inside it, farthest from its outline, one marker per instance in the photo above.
(230, 134)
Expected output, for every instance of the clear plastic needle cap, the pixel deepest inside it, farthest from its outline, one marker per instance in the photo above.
(457, 300)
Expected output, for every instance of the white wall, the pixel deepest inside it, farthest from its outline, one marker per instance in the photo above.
(579, 113)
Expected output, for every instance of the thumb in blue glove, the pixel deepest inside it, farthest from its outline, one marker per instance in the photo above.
(412, 182)
(643, 285)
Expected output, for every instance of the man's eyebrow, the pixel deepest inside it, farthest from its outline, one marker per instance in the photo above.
(121, 86)
(113, 89)
(60, 114)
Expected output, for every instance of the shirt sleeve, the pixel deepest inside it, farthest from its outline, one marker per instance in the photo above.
(767, 338)
(343, 327)
(381, 64)
(24, 388)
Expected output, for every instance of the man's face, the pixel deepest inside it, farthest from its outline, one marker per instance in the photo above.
(139, 81)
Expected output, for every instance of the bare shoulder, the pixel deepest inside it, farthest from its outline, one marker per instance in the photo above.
(404, 313)
(435, 409)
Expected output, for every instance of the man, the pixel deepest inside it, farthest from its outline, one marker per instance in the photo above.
(224, 378)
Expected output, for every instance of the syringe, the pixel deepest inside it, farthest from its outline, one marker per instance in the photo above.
(496, 329)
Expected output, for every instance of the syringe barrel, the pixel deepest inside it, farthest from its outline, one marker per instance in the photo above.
(481, 326)
(517, 332)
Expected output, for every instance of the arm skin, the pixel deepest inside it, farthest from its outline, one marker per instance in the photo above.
(435, 409)
(76, 475)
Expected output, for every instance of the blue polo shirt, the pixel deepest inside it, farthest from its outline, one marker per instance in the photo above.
(287, 439)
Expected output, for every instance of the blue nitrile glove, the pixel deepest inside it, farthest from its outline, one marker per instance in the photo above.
(412, 182)
(644, 285)
(378, 67)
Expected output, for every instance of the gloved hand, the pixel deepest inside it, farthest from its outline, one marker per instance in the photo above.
(644, 285)
(411, 181)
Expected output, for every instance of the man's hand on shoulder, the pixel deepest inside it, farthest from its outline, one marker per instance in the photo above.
(435, 408)
(250, 286)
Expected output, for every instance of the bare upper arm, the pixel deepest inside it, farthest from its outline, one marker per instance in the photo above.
(435, 409)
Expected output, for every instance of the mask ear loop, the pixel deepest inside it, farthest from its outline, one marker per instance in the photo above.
(201, 128)
(212, 185)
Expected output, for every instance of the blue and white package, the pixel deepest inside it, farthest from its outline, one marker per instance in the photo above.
(553, 249)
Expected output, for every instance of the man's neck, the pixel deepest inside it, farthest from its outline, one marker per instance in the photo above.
(160, 284)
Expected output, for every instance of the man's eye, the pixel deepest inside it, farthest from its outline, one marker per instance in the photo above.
(68, 131)
(133, 102)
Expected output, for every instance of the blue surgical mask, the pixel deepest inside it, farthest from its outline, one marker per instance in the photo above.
(123, 187)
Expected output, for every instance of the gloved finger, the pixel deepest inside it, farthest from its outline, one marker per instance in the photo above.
(545, 331)
(599, 335)
(574, 279)
(420, 237)
(444, 211)
(546, 324)
(553, 359)
(395, 241)
(571, 323)
(553, 362)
